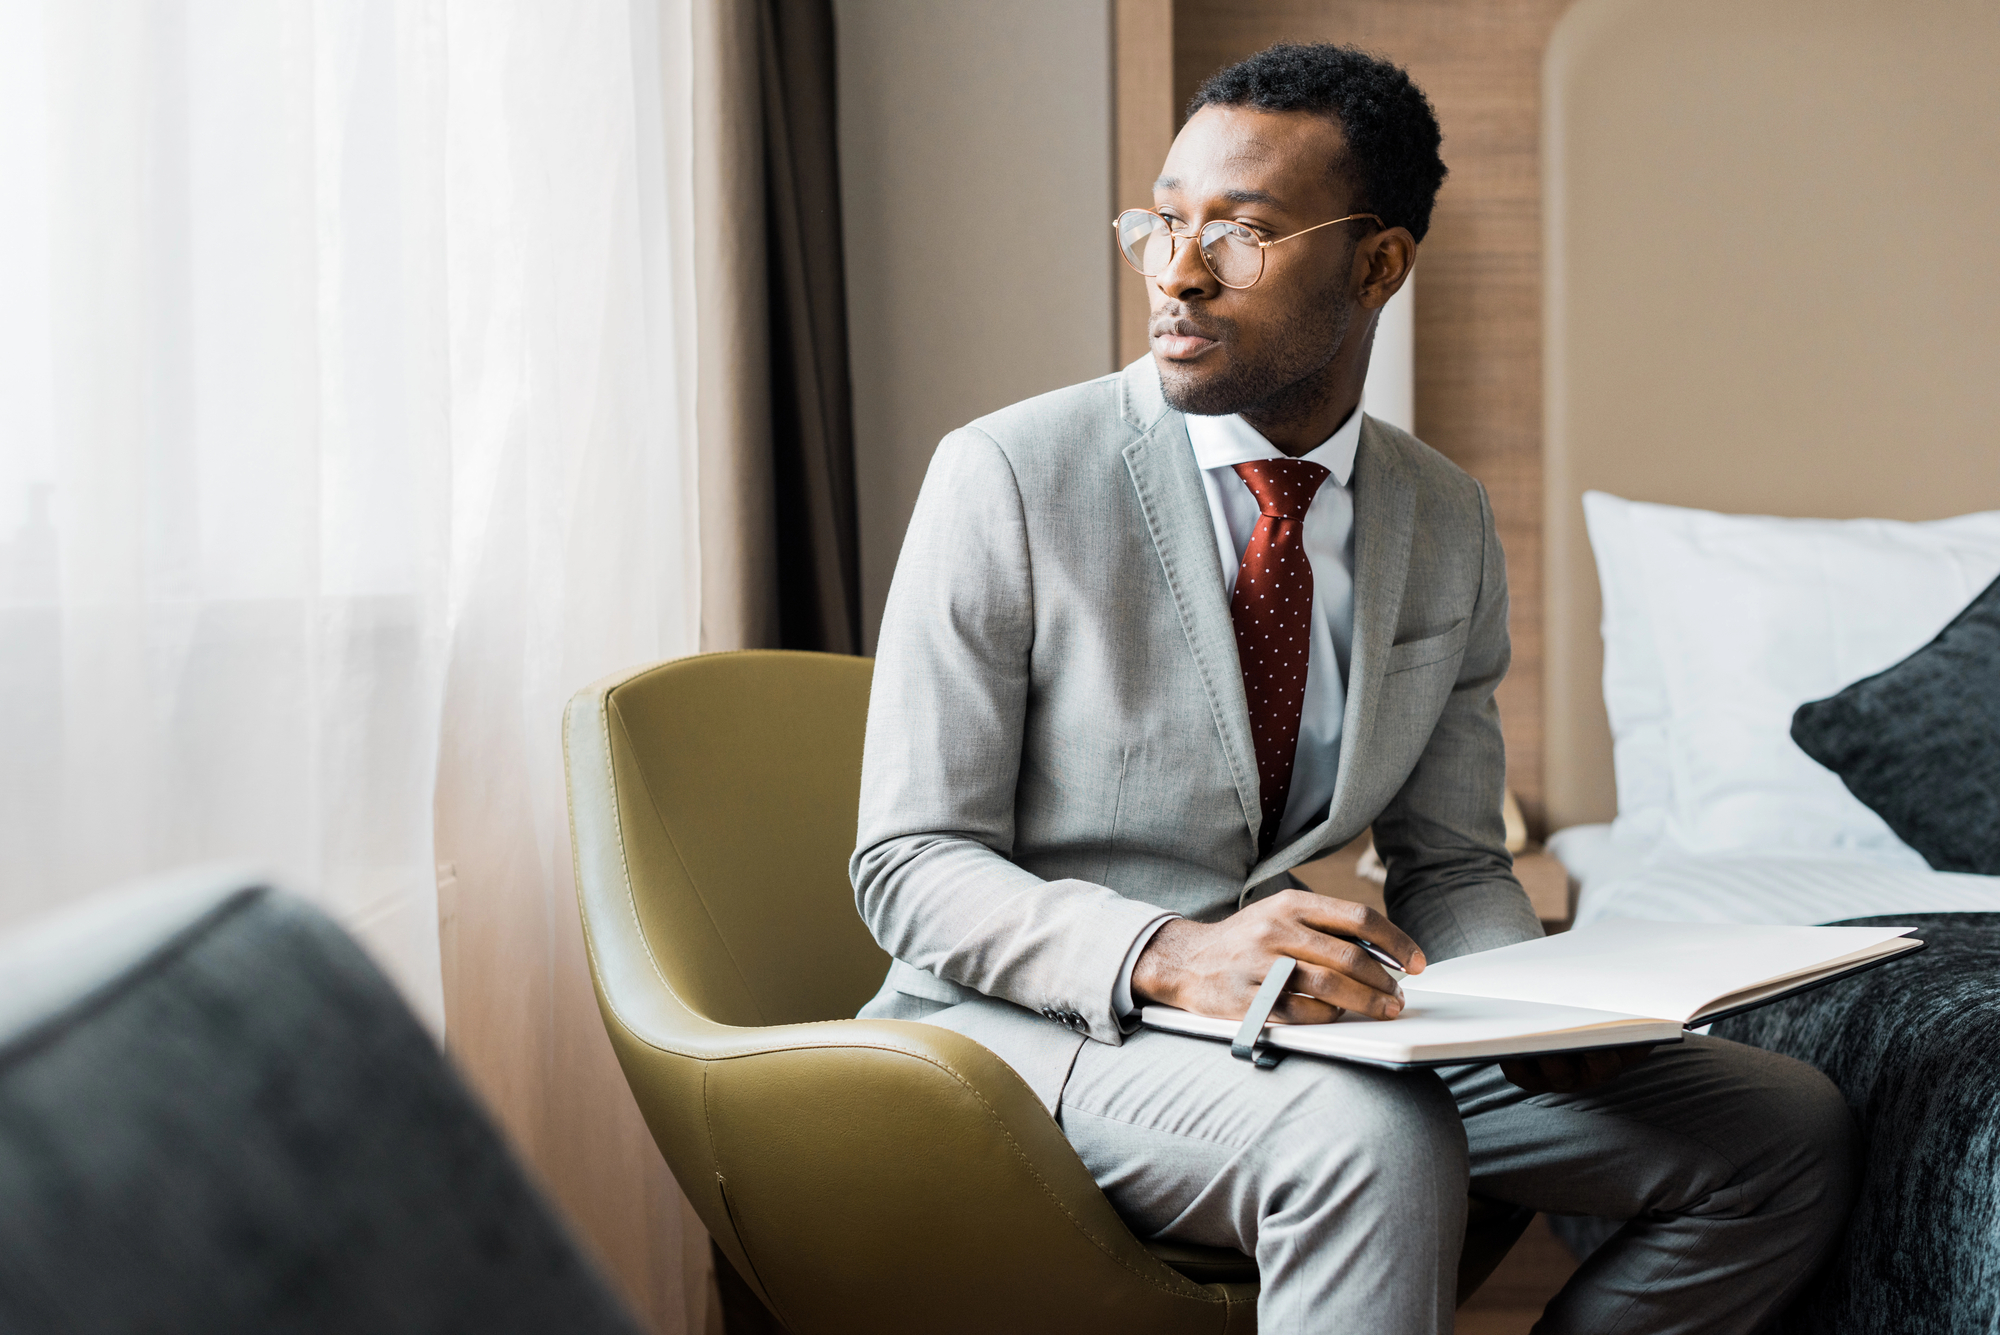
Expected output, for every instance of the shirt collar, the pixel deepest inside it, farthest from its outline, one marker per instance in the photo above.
(1223, 442)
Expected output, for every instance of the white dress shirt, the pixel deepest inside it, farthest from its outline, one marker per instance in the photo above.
(1220, 443)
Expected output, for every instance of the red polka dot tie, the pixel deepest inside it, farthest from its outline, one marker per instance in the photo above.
(1273, 613)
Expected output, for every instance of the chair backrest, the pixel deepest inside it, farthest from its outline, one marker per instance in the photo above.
(738, 780)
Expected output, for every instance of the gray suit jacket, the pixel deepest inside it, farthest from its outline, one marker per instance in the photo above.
(1059, 746)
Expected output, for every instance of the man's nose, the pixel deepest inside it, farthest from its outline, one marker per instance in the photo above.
(1186, 275)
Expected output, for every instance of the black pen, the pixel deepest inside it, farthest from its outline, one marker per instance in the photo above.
(1380, 955)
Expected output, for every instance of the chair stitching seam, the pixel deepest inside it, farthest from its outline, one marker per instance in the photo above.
(722, 1190)
(991, 1112)
(673, 843)
(708, 1121)
(1033, 1172)
(624, 864)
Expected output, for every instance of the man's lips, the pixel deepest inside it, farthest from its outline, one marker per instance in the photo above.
(1179, 340)
(1180, 347)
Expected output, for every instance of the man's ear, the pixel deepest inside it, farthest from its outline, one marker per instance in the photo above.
(1382, 263)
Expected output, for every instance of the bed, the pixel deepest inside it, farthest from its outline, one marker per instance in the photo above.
(1716, 629)
(1720, 373)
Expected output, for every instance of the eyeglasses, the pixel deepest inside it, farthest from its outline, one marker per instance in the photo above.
(1232, 252)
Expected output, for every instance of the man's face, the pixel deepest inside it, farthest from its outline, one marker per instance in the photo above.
(1223, 350)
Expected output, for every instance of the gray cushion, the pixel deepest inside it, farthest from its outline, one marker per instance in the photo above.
(246, 1130)
(1919, 744)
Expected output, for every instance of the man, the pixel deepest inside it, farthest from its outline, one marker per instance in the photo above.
(1156, 639)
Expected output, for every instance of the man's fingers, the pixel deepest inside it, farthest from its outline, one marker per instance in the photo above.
(1608, 1064)
(1561, 1071)
(1336, 988)
(1566, 1073)
(1633, 1055)
(1601, 1066)
(1350, 919)
(1614, 1062)
(1293, 1008)
(1310, 947)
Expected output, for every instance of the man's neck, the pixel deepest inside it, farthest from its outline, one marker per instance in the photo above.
(1299, 433)
(1299, 418)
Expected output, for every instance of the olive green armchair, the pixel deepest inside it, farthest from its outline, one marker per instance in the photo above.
(861, 1174)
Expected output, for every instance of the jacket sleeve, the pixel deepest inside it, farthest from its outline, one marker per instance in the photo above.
(931, 868)
(1451, 880)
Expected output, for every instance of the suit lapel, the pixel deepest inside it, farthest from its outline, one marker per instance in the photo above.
(1385, 502)
(1384, 506)
(1175, 504)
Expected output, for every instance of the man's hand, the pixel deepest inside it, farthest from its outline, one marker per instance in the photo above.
(1567, 1072)
(1216, 968)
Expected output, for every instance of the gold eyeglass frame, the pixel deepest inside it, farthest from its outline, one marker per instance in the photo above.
(1201, 250)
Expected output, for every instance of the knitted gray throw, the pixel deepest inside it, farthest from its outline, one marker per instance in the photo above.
(1915, 1047)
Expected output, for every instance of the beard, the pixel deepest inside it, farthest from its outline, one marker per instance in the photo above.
(1283, 385)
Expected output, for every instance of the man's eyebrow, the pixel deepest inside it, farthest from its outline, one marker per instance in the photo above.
(1232, 196)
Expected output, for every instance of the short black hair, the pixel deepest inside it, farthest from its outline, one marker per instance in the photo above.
(1392, 134)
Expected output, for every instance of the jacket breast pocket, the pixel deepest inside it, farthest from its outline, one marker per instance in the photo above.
(1431, 649)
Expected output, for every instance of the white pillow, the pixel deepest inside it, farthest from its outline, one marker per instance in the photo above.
(1716, 627)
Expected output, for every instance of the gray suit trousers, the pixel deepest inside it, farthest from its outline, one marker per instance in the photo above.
(1733, 1167)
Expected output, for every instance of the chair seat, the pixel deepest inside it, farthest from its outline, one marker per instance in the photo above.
(1204, 1265)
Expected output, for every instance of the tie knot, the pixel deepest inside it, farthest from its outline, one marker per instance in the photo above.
(1283, 487)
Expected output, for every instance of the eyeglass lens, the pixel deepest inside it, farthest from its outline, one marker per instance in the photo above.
(1232, 253)
(1147, 244)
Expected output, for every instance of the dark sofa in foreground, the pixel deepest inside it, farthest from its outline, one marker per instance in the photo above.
(217, 1116)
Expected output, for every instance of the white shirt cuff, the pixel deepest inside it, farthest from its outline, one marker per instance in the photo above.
(1121, 996)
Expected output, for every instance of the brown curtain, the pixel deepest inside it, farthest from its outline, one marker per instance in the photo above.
(732, 353)
(812, 427)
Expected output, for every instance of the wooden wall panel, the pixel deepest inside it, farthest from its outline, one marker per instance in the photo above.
(1142, 45)
(1479, 342)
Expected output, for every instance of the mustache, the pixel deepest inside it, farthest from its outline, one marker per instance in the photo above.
(1171, 321)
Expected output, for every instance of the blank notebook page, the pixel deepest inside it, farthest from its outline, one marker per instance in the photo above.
(1663, 969)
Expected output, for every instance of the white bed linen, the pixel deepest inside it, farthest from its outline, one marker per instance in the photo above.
(1619, 880)
(1718, 626)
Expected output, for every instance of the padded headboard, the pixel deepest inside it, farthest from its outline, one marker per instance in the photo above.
(1773, 285)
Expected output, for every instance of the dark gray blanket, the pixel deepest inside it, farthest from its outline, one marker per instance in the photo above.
(1915, 1047)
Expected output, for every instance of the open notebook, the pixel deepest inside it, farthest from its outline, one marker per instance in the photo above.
(1601, 986)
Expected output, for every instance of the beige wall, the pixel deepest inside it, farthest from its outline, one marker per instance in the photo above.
(1826, 348)
(975, 145)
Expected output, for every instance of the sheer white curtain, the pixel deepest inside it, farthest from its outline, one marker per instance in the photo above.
(345, 429)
